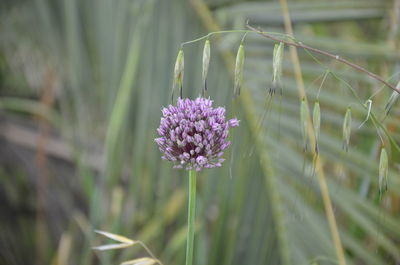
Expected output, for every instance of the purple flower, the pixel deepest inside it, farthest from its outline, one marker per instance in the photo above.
(193, 134)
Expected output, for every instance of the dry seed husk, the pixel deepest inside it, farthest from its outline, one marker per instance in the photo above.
(140, 261)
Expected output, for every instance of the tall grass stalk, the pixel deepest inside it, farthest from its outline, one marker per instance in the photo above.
(191, 217)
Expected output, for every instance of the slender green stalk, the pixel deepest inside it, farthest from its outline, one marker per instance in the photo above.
(191, 217)
(232, 31)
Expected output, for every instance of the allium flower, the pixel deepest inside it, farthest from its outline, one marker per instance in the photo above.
(193, 134)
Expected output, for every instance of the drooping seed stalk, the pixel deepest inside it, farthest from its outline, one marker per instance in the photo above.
(330, 215)
(191, 217)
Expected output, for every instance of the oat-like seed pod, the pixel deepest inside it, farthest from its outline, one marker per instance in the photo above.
(383, 171)
(239, 70)
(178, 74)
(347, 129)
(206, 63)
(392, 100)
(141, 261)
(277, 68)
(303, 122)
(316, 123)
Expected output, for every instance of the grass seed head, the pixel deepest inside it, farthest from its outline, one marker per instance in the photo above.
(178, 73)
(303, 122)
(392, 101)
(277, 68)
(383, 171)
(239, 70)
(316, 123)
(141, 261)
(123, 241)
(347, 129)
(206, 63)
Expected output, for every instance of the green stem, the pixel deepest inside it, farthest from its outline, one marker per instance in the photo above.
(232, 31)
(191, 217)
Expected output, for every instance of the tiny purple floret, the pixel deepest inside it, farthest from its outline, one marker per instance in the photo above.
(194, 134)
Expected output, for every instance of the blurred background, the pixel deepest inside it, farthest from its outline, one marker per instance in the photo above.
(82, 84)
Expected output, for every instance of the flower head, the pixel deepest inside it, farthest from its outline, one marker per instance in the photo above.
(194, 134)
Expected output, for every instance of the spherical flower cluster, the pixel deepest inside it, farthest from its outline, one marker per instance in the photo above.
(194, 134)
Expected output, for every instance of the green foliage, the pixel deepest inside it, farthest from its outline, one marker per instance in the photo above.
(115, 61)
